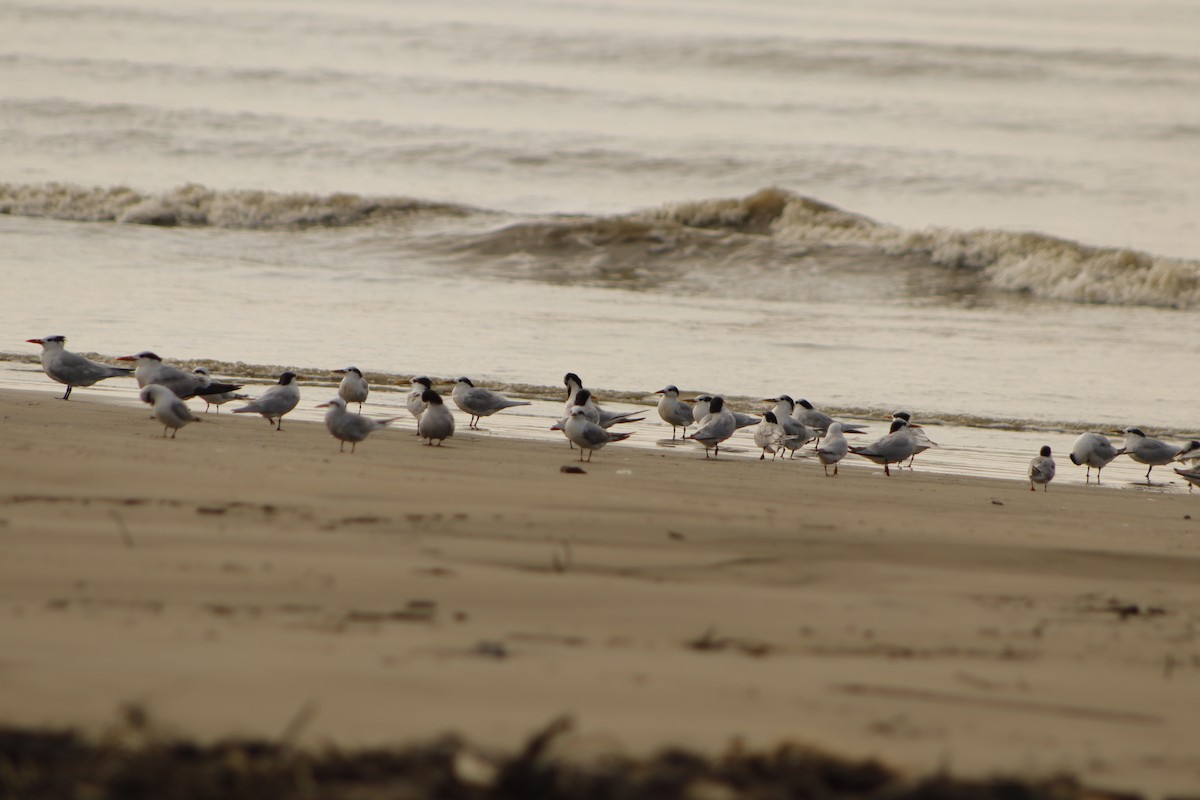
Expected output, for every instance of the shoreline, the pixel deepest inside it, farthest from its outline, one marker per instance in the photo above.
(226, 578)
(265, 374)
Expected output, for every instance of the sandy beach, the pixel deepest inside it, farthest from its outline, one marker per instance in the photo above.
(236, 577)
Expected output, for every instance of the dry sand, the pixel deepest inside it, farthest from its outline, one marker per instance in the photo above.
(233, 577)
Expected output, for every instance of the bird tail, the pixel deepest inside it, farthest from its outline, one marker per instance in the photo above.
(218, 388)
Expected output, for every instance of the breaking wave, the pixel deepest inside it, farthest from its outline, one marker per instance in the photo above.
(775, 234)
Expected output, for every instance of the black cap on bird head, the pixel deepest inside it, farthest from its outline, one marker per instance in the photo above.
(805, 403)
(150, 355)
(1135, 431)
(287, 378)
(770, 417)
(355, 370)
(430, 396)
(582, 397)
(56, 339)
(668, 389)
(897, 424)
(467, 381)
(904, 415)
(569, 377)
(716, 404)
(421, 379)
(1045, 451)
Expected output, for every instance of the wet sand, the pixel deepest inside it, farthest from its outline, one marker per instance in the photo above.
(237, 579)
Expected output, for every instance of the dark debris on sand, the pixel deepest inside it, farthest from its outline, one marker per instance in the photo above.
(40, 765)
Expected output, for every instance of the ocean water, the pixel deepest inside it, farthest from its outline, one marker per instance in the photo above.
(985, 213)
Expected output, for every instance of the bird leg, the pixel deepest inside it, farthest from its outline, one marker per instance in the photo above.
(68, 394)
(887, 471)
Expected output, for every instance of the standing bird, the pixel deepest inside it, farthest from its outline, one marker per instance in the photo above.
(479, 402)
(347, 426)
(1153, 452)
(715, 428)
(587, 435)
(168, 408)
(1093, 450)
(797, 432)
(894, 448)
(436, 421)
(150, 369)
(921, 440)
(576, 397)
(215, 399)
(819, 421)
(833, 448)
(702, 405)
(674, 411)
(1192, 476)
(605, 419)
(353, 388)
(415, 404)
(769, 436)
(72, 369)
(1041, 469)
(275, 401)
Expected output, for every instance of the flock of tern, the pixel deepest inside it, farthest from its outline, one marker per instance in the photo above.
(787, 427)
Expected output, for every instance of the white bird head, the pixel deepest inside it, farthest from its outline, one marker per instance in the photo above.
(336, 402)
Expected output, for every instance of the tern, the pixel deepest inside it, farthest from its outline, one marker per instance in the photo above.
(1192, 476)
(215, 399)
(72, 369)
(894, 448)
(576, 397)
(347, 426)
(168, 408)
(150, 369)
(1189, 452)
(769, 436)
(1152, 452)
(416, 406)
(921, 440)
(716, 427)
(701, 406)
(605, 419)
(587, 434)
(275, 401)
(480, 402)
(1041, 469)
(1093, 450)
(819, 421)
(797, 432)
(674, 411)
(833, 447)
(436, 421)
(353, 388)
